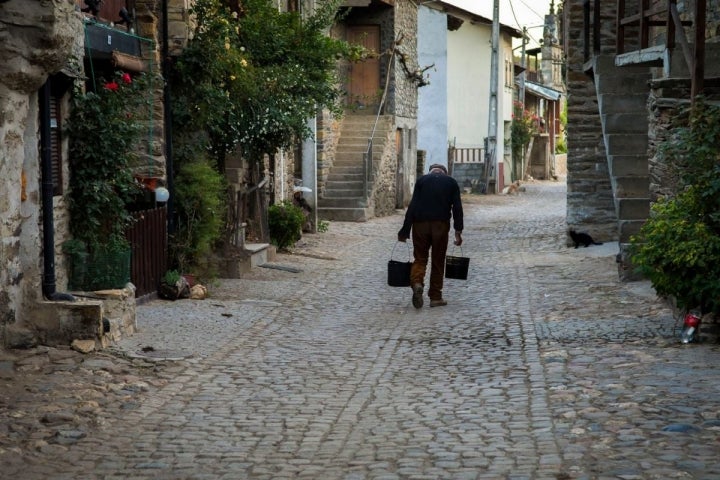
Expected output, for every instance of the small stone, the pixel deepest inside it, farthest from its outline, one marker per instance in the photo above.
(83, 346)
(681, 428)
(57, 418)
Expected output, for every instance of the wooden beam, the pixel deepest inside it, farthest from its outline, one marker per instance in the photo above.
(698, 71)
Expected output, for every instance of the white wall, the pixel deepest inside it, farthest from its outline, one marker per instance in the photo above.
(432, 98)
(468, 84)
(469, 61)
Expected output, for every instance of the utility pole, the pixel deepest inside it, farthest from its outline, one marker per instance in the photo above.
(521, 98)
(491, 144)
(524, 68)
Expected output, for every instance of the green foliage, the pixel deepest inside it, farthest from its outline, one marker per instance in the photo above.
(171, 277)
(285, 222)
(252, 78)
(200, 204)
(561, 145)
(522, 129)
(678, 248)
(104, 130)
(323, 226)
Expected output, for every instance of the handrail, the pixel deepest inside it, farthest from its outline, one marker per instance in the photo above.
(367, 156)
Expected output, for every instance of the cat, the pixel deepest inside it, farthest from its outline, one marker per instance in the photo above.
(580, 238)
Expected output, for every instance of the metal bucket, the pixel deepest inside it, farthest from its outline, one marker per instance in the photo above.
(457, 267)
(398, 272)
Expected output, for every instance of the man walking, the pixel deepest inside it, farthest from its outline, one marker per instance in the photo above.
(435, 199)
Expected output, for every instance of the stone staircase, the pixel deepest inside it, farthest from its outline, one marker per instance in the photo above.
(344, 197)
(622, 96)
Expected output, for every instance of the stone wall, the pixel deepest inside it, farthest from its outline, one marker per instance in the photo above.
(328, 134)
(468, 175)
(404, 92)
(37, 39)
(589, 199)
(384, 186)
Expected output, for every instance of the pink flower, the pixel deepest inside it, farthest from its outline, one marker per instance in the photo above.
(112, 86)
(126, 78)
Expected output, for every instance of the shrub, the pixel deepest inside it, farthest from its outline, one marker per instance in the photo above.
(678, 248)
(285, 221)
(200, 195)
(680, 254)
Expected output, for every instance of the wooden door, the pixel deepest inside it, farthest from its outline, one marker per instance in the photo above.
(364, 82)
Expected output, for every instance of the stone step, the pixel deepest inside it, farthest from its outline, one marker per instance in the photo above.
(629, 228)
(344, 170)
(357, 149)
(626, 144)
(625, 123)
(343, 214)
(332, 192)
(632, 208)
(631, 186)
(256, 254)
(360, 143)
(340, 202)
(621, 81)
(345, 159)
(342, 183)
(622, 103)
(628, 165)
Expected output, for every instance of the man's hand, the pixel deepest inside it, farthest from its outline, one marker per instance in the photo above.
(402, 238)
(458, 238)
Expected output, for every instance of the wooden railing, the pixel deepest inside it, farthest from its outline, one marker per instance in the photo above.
(465, 155)
(634, 31)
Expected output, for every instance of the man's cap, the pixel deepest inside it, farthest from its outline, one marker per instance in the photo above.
(438, 165)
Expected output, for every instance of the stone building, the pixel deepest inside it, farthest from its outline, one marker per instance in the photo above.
(622, 85)
(367, 160)
(48, 48)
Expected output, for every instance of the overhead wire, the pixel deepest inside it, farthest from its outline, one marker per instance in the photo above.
(517, 22)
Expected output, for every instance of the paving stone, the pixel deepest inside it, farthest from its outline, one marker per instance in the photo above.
(542, 366)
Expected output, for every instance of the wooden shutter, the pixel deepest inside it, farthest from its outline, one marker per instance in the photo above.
(56, 144)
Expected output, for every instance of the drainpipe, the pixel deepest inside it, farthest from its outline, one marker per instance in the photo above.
(48, 282)
(167, 110)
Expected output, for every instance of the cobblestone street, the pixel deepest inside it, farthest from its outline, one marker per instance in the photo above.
(542, 366)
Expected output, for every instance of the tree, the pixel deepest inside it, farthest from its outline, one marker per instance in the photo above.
(249, 79)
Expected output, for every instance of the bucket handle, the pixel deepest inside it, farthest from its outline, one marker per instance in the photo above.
(452, 253)
(393, 249)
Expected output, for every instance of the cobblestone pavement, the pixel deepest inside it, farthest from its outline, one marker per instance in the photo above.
(542, 366)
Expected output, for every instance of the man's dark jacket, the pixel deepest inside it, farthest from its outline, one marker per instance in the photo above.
(436, 196)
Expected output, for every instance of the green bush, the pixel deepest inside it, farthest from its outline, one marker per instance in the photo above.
(200, 205)
(680, 254)
(285, 221)
(678, 248)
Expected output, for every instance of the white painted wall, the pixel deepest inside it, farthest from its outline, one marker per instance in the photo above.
(432, 98)
(469, 61)
(453, 109)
